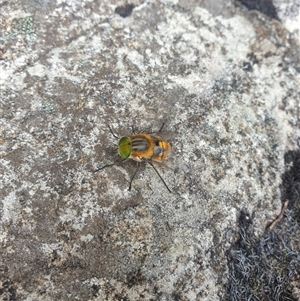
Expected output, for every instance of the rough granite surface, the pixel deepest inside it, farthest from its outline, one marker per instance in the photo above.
(225, 81)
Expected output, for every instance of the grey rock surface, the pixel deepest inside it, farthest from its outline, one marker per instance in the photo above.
(223, 79)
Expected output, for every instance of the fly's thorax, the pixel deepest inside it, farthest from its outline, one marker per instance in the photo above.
(141, 146)
(124, 147)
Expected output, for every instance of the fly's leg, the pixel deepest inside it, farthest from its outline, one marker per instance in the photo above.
(109, 165)
(110, 129)
(129, 188)
(161, 128)
(160, 176)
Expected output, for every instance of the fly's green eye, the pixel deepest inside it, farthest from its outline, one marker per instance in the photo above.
(124, 147)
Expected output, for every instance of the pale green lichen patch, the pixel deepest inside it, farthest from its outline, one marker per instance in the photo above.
(22, 26)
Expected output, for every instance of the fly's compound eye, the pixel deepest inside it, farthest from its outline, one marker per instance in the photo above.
(124, 147)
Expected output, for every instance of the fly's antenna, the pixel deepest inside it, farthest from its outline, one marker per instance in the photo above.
(109, 165)
(113, 132)
(160, 176)
(133, 177)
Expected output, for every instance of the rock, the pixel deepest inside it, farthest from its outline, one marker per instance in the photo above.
(225, 81)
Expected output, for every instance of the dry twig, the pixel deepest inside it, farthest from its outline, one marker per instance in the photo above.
(279, 217)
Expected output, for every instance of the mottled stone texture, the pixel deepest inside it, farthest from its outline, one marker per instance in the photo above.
(223, 79)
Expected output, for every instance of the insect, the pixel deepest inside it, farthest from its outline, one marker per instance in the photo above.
(142, 147)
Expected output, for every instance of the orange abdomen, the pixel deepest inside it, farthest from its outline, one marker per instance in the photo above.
(163, 150)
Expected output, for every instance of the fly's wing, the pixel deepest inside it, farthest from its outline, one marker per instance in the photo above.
(164, 135)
